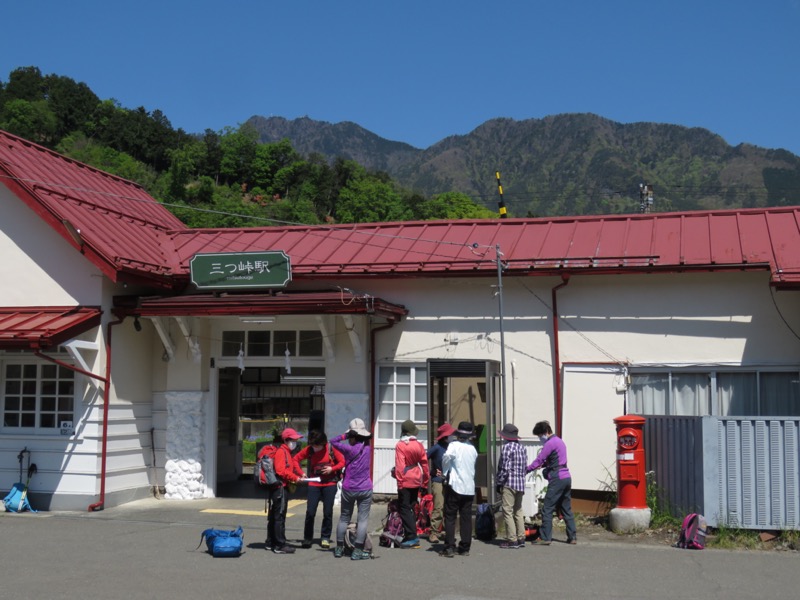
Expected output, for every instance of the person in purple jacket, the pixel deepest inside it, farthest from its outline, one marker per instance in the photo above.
(553, 459)
(356, 486)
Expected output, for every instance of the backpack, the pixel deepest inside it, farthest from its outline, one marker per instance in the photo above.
(485, 527)
(393, 532)
(350, 540)
(693, 532)
(17, 499)
(221, 542)
(264, 471)
(423, 510)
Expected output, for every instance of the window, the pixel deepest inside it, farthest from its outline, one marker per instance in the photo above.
(36, 395)
(724, 393)
(402, 394)
(303, 343)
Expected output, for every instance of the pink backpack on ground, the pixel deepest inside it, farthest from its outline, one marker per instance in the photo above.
(693, 532)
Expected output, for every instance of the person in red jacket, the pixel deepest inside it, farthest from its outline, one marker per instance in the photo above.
(288, 472)
(412, 473)
(325, 462)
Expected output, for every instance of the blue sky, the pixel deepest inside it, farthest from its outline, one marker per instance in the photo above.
(418, 72)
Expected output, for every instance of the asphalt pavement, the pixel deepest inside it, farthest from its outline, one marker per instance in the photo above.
(147, 549)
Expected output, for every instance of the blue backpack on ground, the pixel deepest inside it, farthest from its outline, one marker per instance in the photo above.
(693, 532)
(485, 527)
(221, 542)
(17, 500)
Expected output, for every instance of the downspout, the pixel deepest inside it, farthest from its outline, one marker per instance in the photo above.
(557, 355)
(99, 505)
(372, 385)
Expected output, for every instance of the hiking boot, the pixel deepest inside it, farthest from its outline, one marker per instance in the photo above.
(325, 544)
(463, 551)
(285, 549)
(447, 553)
(540, 542)
(359, 554)
(573, 541)
(433, 538)
(306, 544)
(509, 544)
(338, 552)
(521, 543)
(412, 543)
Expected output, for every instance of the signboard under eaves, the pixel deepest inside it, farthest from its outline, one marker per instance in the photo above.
(238, 270)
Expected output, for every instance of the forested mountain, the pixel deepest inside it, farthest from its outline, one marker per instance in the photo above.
(567, 164)
(273, 170)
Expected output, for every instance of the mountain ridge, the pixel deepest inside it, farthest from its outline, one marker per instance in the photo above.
(572, 163)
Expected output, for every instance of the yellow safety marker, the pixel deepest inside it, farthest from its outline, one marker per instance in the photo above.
(249, 513)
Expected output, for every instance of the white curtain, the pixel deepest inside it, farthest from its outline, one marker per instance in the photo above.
(737, 395)
(780, 395)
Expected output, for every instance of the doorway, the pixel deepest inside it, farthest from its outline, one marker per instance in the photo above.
(468, 390)
(252, 406)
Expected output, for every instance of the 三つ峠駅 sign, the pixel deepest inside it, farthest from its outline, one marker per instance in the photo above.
(240, 270)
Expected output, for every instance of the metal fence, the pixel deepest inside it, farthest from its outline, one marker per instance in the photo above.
(737, 471)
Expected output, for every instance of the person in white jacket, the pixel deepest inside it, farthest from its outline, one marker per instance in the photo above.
(458, 465)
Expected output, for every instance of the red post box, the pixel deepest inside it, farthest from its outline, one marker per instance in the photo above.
(631, 480)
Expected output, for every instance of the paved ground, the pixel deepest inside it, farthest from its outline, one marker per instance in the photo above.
(146, 549)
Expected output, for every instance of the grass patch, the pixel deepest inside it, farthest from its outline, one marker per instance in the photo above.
(734, 539)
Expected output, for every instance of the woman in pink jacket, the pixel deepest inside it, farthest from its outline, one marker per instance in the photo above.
(412, 473)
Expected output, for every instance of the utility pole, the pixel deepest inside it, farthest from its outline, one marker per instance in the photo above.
(501, 205)
(645, 197)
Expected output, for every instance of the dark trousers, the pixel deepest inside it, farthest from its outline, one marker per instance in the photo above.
(406, 499)
(558, 495)
(327, 494)
(276, 521)
(457, 505)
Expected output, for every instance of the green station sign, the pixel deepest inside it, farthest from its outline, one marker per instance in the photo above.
(240, 270)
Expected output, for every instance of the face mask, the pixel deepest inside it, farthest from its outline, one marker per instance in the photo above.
(292, 444)
(317, 448)
(543, 438)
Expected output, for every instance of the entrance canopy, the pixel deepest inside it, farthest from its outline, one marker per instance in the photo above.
(37, 328)
(294, 303)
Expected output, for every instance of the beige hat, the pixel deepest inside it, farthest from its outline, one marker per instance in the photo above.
(358, 426)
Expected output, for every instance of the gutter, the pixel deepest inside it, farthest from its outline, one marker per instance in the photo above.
(557, 356)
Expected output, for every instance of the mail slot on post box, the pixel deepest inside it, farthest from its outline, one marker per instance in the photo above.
(631, 480)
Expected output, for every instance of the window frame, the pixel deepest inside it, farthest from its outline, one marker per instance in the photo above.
(417, 385)
(62, 376)
(714, 400)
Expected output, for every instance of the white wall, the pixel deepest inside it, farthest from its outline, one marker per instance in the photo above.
(38, 267)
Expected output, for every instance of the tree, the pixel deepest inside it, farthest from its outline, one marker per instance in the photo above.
(32, 120)
(368, 200)
(238, 152)
(452, 205)
(25, 83)
(72, 103)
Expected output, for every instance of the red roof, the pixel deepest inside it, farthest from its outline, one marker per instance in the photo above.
(131, 237)
(44, 327)
(123, 230)
(764, 239)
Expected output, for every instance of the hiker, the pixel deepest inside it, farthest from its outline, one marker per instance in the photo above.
(553, 459)
(510, 483)
(411, 472)
(459, 471)
(435, 454)
(325, 462)
(356, 486)
(289, 473)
